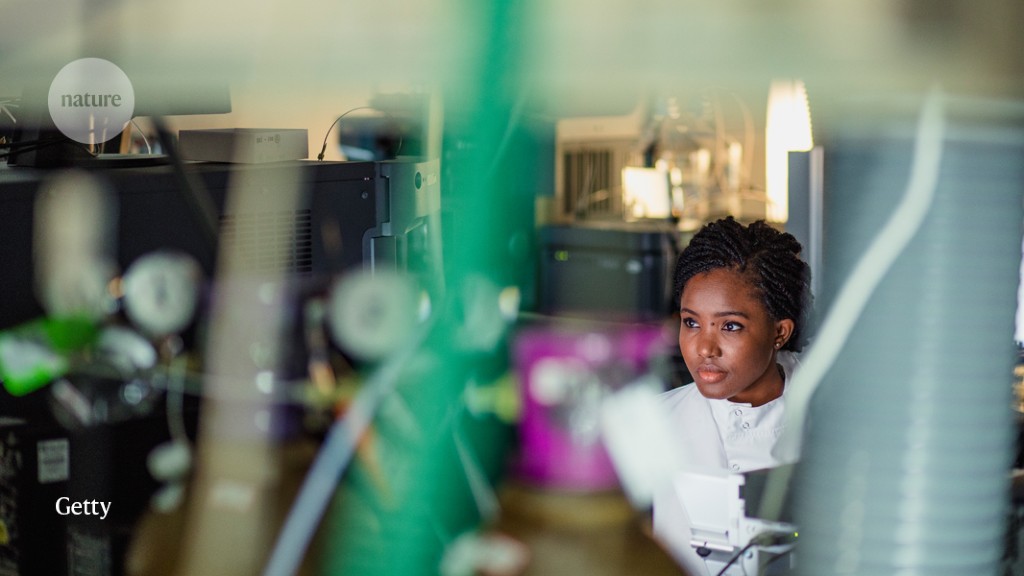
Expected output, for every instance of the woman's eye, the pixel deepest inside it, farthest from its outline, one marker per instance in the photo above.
(689, 322)
(732, 326)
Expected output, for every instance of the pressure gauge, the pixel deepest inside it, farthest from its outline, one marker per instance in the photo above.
(372, 313)
(161, 292)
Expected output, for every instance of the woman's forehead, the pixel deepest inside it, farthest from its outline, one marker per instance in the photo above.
(722, 288)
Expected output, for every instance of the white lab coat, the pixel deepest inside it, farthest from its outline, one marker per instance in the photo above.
(699, 445)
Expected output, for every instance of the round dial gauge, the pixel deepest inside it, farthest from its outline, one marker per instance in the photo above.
(161, 292)
(372, 313)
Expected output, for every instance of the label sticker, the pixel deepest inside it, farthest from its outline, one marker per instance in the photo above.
(54, 460)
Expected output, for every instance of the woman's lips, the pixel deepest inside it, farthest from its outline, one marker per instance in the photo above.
(711, 374)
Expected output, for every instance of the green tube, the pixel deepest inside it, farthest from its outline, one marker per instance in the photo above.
(421, 479)
(35, 353)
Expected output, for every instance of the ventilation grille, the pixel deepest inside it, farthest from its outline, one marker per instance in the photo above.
(270, 241)
(591, 180)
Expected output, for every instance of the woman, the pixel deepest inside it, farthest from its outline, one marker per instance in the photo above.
(743, 295)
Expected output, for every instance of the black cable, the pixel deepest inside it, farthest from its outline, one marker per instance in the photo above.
(763, 539)
(16, 143)
(736, 556)
(401, 137)
(42, 144)
(192, 190)
(24, 150)
(323, 149)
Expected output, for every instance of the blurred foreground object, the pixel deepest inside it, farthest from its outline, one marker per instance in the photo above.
(566, 373)
(910, 469)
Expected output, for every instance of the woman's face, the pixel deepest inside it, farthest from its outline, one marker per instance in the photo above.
(728, 340)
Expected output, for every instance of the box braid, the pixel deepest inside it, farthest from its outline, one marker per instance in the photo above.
(769, 258)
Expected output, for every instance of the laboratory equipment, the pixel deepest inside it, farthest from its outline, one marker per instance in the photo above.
(565, 375)
(608, 270)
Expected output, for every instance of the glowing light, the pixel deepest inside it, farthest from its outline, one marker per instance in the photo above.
(788, 128)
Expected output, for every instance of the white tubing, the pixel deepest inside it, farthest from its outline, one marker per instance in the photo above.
(855, 293)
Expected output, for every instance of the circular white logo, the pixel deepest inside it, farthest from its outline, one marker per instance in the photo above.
(91, 100)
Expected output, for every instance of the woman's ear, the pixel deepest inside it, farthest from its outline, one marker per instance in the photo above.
(783, 332)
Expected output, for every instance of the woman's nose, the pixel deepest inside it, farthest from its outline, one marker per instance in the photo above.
(707, 345)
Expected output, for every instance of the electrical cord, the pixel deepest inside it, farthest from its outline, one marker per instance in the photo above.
(323, 149)
(149, 149)
(26, 146)
(763, 539)
(23, 150)
(736, 556)
(36, 142)
(320, 157)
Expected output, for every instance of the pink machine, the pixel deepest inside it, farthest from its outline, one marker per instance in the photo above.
(564, 375)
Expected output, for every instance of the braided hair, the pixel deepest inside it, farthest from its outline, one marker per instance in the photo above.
(768, 258)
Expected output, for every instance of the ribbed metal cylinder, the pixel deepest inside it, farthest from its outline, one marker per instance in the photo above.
(907, 453)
